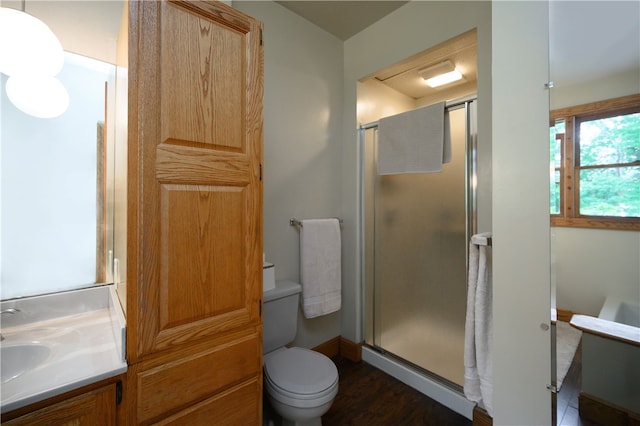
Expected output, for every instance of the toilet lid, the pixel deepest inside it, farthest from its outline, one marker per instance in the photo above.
(301, 371)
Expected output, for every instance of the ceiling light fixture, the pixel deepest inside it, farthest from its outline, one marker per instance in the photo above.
(31, 56)
(41, 96)
(440, 74)
(29, 46)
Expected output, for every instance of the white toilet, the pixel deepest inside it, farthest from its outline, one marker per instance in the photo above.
(301, 384)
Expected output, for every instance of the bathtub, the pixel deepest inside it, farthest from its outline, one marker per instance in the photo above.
(621, 311)
(611, 355)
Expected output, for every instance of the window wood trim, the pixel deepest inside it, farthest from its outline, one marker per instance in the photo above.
(599, 222)
(569, 172)
(613, 105)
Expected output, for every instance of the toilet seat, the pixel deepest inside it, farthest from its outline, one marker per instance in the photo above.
(298, 376)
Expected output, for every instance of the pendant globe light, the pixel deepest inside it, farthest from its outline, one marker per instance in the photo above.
(31, 55)
(39, 96)
(29, 46)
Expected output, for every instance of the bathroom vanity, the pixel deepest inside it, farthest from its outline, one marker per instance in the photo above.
(192, 290)
(94, 405)
(62, 351)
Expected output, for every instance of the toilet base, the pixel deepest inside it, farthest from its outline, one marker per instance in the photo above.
(294, 416)
(316, 421)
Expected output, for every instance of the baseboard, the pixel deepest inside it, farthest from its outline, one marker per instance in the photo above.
(564, 314)
(330, 348)
(340, 346)
(603, 412)
(481, 417)
(350, 350)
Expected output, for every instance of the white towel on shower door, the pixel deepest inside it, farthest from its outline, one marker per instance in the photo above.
(413, 141)
(320, 266)
(478, 366)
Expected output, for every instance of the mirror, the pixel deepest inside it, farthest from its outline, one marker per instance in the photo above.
(57, 175)
(56, 233)
(594, 56)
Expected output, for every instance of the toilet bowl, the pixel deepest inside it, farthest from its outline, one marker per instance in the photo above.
(301, 384)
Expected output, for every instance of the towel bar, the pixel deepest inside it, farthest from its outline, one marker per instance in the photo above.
(295, 222)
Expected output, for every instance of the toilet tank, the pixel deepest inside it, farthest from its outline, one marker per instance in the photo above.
(280, 315)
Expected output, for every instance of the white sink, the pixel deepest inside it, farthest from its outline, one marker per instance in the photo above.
(18, 359)
(59, 342)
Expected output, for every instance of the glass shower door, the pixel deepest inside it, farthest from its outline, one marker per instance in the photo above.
(420, 262)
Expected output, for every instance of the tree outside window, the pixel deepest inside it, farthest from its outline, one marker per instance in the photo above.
(595, 165)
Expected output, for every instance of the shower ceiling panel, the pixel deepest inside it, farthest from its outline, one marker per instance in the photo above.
(404, 78)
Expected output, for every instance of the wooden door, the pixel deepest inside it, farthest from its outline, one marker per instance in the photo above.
(195, 190)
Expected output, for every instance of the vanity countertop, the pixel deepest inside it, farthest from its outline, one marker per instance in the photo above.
(60, 349)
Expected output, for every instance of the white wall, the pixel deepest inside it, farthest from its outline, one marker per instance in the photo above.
(302, 141)
(521, 284)
(376, 100)
(87, 28)
(592, 264)
(612, 86)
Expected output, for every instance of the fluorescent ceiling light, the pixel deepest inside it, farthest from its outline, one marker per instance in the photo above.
(440, 74)
(443, 79)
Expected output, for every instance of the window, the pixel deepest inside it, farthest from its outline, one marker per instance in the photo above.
(594, 152)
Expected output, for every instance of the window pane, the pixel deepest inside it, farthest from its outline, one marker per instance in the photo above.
(555, 152)
(555, 162)
(613, 191)
(613, 140)
(555, 192)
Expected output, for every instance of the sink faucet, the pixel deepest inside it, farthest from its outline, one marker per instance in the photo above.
(8, 311)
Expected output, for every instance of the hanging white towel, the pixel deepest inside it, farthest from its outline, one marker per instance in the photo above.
(320, 266)
(478, 367)
(446, 143)
(413, 142)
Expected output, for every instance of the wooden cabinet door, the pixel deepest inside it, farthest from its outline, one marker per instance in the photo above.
(94, 408)
(195, 185)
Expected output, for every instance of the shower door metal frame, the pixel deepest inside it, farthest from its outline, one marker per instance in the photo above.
(470, 207)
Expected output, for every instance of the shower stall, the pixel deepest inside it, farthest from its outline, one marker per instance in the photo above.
(416, 229)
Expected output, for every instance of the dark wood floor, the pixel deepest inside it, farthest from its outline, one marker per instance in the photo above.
(567, 398)
(368, 396)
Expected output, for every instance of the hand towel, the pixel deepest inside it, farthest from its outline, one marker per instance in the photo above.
(413, 142)
(478, 366)
(320, 266)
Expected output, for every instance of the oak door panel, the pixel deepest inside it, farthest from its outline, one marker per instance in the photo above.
(180, 383)
(202, 100)
(195, 189)
(240, 405)
(199, 250)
